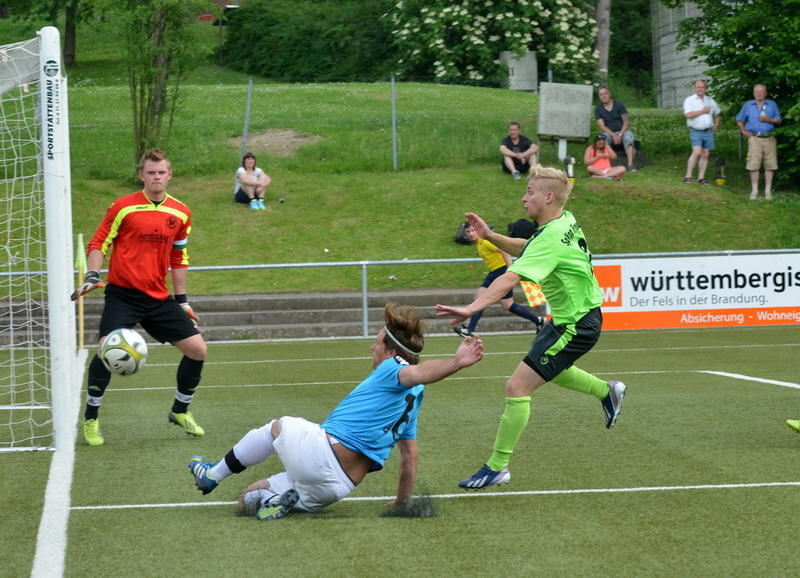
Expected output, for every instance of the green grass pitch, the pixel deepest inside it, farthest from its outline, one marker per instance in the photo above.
(679, 487)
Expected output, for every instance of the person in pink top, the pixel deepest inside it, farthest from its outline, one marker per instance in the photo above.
(598, 157)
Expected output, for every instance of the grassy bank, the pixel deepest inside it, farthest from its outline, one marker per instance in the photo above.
(342, 194)
(414, 214)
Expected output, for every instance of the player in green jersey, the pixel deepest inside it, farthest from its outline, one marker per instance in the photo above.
(558, 258)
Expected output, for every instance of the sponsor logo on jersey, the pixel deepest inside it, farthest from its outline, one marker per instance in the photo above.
(153, 238)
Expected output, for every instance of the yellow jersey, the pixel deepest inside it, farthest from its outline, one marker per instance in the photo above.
(490, 254)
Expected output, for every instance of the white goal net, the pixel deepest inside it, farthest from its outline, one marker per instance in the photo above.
(37, 336)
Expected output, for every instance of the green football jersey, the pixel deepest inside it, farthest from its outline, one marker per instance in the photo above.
(558, 258)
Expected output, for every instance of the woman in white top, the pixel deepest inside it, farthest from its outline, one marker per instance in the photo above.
(251, 183)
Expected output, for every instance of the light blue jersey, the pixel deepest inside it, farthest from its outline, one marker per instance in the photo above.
(377, 413)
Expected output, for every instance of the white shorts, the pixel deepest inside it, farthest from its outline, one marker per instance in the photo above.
(311, 466)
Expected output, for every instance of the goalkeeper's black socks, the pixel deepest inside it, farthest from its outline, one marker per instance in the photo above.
(189, 373)
(99, 378)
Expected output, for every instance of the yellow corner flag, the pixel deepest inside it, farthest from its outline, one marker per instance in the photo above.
(80, 257)
(80, 265)
(533, 293)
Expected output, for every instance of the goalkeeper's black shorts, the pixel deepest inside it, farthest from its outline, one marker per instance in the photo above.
(165, 321)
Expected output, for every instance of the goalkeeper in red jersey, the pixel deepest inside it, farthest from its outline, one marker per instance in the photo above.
(149, 233)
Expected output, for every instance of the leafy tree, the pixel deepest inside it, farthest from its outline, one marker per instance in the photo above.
(460, 40)
(631, 54)
(49, 11)
(310, 40)
(745, 43)
(160, 50)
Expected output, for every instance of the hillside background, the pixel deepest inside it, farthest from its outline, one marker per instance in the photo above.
(327, 148)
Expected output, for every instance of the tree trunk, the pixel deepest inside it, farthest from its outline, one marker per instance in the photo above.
(603, 18)
(70, 24)
(157, 104)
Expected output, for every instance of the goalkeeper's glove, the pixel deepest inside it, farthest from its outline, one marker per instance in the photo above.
(183, 301)
(90, 281)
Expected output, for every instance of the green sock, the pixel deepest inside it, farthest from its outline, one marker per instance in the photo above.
(579, 380)
(512, 423)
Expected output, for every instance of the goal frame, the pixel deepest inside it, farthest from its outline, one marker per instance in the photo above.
(64, 364)
(64, 371)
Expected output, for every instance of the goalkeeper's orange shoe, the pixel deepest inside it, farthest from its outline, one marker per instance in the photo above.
(187, 422)
(91, 432)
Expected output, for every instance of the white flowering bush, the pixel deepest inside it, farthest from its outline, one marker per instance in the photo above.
(457, 41)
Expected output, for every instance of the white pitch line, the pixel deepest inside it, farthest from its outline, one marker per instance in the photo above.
(490, 353)
(473, 378)
(751, 378)
(144, 506)
(51, 539)
(476, 378)
(355, 382)
(481, 494)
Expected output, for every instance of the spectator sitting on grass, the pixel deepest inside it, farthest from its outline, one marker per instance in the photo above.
(612, 118)
(519, 152)
(251, 183)
(598, 157)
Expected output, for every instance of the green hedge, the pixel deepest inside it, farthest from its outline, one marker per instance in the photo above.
(316, 41)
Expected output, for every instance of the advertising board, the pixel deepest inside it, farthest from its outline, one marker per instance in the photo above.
(700, 291)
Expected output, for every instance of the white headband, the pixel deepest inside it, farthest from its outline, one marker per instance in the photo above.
(400, 345)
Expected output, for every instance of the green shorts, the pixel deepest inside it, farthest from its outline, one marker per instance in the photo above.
(557, 347)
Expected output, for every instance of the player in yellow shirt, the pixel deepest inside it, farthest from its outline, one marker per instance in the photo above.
(497, 261)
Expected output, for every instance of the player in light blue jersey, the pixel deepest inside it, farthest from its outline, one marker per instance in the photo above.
(324, 463)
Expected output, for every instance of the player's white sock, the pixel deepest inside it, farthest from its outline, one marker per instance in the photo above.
(219, 472)
(253, 448)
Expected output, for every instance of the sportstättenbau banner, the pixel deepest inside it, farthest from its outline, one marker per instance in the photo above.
(700, 291)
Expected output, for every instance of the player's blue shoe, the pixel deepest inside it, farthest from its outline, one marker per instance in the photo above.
(612, 403)
(278, 506)
(486, 477)
(199, 470)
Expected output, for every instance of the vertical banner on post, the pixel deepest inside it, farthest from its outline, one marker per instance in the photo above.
(58, 218)
(678, 291)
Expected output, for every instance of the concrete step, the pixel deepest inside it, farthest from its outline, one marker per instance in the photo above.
(505, 324)
(295, 315)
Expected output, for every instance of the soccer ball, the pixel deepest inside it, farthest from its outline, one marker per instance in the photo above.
(123, 352)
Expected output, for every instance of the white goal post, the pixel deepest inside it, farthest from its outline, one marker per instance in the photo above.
(39, 365)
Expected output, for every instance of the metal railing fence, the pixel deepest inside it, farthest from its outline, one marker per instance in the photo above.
(363, 266)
